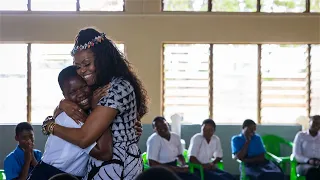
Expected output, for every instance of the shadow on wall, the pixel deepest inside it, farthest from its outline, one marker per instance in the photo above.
(225, 132)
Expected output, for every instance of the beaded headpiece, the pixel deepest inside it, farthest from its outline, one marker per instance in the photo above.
(92, 43)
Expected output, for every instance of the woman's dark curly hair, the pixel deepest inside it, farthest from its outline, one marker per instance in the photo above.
(109, 63)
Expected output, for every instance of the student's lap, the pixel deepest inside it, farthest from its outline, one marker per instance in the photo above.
(267, 170)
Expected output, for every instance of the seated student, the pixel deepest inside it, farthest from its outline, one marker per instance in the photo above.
(19, 163)
(248, 147)
(306, 150)
(203, 147)
(61, 156)
(158, 173)
(164, 148)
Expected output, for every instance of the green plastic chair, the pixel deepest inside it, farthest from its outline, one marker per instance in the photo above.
(293, 170)
(2, 175)
(145, 161)
(272, 143)
(268, 156)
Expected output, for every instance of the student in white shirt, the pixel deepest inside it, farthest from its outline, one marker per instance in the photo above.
(306, 150)
(61, 156)
(203, 147)
(164, 149)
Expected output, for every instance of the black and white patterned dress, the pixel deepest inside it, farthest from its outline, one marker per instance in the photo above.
(126, 163)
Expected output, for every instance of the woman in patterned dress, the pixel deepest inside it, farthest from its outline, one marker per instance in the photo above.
(100, 63)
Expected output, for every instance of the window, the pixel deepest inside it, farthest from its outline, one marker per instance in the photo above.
(53, 5)
(121, 48)
(14, 5)
(186, 81)
(185, 5)
(235, 85)
(13, 80)
(283, 5)
(315, 79)
(234, 5)
(47, 61)
(315, 5)
(101, 5)
(284, 83)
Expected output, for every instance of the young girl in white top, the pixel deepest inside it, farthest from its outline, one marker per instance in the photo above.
(306, 150)
(203, 147)
(164, 149)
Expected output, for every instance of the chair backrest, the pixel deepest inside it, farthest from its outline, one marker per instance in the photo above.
(273, 143)
(144, 158)
(2, 175)
(185, 155)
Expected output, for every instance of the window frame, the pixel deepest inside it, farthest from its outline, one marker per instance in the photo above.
(29, 76)
(258, 8)
(259, 80)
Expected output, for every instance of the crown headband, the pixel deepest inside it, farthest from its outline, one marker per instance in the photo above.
(92, 43)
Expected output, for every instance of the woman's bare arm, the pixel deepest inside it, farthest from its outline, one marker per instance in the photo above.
(103, 150)
(97, 122)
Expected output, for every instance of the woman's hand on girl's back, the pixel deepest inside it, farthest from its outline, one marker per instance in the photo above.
(138, 128)
(98, 94)
(73, 111)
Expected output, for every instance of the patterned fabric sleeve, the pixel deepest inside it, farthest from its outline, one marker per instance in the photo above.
(118, 95)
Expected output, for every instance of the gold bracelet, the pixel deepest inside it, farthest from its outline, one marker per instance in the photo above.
(51, 127)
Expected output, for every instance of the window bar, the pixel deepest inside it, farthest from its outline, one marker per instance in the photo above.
(209, 6)
(211, 81)
(29, 5)
(162, 5)
(124, 6)
(307, 6)
(259, 85)
(29, 82)
(258, 5)
(78, 5)
(162, 80)
(309, 80)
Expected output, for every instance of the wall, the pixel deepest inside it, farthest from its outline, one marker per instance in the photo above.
(143, 29)
(225, 132)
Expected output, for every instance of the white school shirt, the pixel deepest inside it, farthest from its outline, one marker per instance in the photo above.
(163, 151)
(306, 146)
(66, 156)
(204, 151)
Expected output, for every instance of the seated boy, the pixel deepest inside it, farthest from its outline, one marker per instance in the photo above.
(248, 147)
(61, 156)
(204, 147)
(19, 163)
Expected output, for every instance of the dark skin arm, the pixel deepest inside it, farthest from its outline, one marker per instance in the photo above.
(255, 159)
(28, 155)
(243, 152)
(24, 173)
(194, 160)
(97, 122)
(241, 155)
(216, 160)
(103, 150)
(154, 163)
(181, 160)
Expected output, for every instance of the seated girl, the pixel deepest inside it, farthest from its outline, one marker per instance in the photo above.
(203, 147)
(61, 156)
(164, 149)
